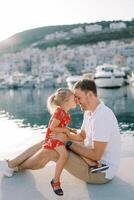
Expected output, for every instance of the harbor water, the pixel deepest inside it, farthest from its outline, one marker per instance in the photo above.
(24, 115)
(29, 107)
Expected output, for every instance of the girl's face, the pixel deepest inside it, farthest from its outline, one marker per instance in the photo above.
(71, 102)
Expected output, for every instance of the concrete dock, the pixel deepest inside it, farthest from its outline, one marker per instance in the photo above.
(35, 185)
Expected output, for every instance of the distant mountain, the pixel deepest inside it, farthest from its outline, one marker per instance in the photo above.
(35, 37)
(28, 37)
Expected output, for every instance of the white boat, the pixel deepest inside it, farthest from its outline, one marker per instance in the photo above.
(131, 79)
(71, 80)
(45, 80)
(3, 85)
(108, 76)
(27, 82)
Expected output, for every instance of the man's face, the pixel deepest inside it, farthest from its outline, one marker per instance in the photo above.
(82, 99)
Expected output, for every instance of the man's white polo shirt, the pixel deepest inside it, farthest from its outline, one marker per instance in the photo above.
(102, 126)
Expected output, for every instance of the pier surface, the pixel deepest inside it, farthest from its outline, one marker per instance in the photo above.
(35, 185)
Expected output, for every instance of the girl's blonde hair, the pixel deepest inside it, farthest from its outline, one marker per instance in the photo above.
(58, 98)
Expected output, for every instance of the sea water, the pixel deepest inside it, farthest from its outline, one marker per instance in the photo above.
(24, 115)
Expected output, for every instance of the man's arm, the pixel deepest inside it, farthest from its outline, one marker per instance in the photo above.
(94, 153)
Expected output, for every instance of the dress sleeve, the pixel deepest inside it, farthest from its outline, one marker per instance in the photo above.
(58, 114)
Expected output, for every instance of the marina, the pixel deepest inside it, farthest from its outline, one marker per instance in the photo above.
(105, 76)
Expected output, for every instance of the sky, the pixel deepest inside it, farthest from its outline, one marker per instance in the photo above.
(21, 15)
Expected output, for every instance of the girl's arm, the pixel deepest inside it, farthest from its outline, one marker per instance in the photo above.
(55, 129)
(80, 136)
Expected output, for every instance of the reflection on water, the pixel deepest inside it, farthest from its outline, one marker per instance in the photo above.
(30, 106)
(121, 102)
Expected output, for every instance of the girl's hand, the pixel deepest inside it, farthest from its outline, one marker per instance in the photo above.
(67, 131)
(60, 136)
(73, 130)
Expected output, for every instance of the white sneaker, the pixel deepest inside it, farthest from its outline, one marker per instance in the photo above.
(4, 169)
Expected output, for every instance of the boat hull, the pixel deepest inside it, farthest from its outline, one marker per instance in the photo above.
(132, 82)
(109, 82)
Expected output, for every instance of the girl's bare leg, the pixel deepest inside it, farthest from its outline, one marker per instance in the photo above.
(25, 155)
(63, 155)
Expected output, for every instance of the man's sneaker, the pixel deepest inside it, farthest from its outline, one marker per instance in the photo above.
(4, 169)
(96, 168)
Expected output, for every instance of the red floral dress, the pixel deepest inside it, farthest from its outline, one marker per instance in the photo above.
(64, 118)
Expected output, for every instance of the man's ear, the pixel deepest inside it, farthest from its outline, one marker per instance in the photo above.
(90, 94)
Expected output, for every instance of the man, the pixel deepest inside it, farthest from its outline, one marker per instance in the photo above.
(101, 143)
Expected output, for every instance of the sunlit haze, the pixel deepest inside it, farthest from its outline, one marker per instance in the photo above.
(17, 16)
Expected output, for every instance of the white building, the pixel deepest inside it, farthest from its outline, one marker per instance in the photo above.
(105, 56)
(90, 63)
(128, 51)
(56, 35)
(130, 61)
(120, 61)
(77, 30)
(118, 25)
(93, 28)
(113, 43)
(102, 44)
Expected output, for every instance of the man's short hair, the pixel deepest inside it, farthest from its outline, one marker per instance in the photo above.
(86, 85)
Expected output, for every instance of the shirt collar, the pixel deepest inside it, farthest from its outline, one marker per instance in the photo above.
(91, 114)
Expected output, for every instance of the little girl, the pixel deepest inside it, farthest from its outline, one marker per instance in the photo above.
(59, 104)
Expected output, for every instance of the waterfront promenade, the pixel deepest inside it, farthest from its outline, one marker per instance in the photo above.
(35, 185)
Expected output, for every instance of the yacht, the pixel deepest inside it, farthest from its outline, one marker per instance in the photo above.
(131, 79)
(71, 80)
(108, 76)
